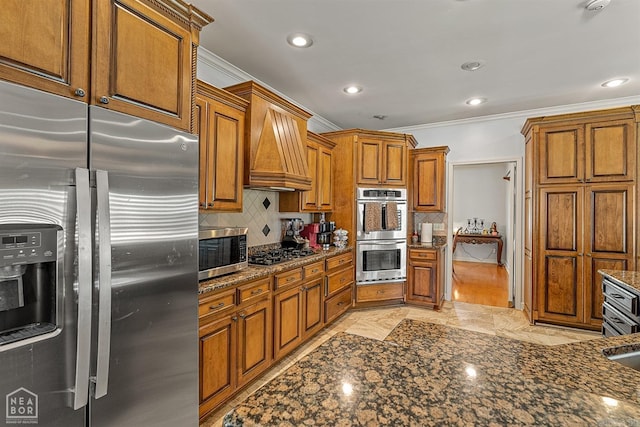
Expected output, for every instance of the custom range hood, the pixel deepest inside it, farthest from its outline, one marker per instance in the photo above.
(275, 153)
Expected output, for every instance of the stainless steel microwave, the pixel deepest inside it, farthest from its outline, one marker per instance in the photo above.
(222, 250)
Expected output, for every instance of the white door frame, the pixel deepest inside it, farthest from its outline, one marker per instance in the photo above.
(518, 228)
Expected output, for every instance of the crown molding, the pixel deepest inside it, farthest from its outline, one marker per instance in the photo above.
(234, 74)
(561, 109)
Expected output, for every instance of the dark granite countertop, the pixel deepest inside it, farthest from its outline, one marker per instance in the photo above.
(629, 278)
(434, 375)
(253, 272)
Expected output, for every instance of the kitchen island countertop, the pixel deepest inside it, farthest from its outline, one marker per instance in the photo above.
(253, 272)
(625, 277)
(433, 375)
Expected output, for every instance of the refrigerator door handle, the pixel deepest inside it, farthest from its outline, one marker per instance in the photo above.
(83, 344)
(104, 277)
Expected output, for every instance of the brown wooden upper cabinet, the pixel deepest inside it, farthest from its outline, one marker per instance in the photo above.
(219, 120)
(140, 61)
(320, 161)
(381, 161)
(598, 151)
(428, 171)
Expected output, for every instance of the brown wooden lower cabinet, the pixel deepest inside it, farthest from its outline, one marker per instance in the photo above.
(425, 277)
(244, 330)
(235, 342)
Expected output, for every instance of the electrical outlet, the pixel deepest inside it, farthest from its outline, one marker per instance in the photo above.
(438, 226)
(493, 250)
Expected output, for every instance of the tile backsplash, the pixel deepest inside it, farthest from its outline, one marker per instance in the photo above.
(435, 218)
(259, 213)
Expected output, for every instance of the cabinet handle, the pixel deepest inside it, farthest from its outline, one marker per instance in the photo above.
(210, 205)
(616, 320)
(256, 291)
(216, 307)
(243, 315)
(314, 271)
(326, 286)
(290, 279)
(588, 255)
(234, 318)
(340, 303)
(203, 205)
(342, 280)
(380, 292)
(104, 100)
(580, 254)
(617, 296)
(80, 92)
(304, 289)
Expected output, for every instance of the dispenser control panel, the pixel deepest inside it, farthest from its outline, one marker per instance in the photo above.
(26, 244)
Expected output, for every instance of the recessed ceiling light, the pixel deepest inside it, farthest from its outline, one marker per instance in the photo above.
(476, 101)
(472, 65)
(299, 40)
(614, 82)
(352, 90)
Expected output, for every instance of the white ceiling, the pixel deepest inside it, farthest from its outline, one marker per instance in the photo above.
(406, 54)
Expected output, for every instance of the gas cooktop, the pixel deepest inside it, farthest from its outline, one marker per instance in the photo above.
(277, 256)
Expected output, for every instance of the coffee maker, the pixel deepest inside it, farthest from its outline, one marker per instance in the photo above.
(325, 234)
(291, 228)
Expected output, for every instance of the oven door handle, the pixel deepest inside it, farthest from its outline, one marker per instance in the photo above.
(383, 242)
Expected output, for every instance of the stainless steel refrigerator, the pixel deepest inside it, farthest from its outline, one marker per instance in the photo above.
(98, 266)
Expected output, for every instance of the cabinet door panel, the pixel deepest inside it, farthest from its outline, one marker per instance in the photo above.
(562, 210)
(227, 127)
(287, 322)
(610, 151)
(369, 161)
(325, 201)
(253, 341)
(217, 361)
(561, 155)
(132, 36)
(200, 125)
(310, 198)
(395, 164)
(610, 214)
(426, 183)
(312, 313)
(422, 281)
(45, 44)
(563, 287)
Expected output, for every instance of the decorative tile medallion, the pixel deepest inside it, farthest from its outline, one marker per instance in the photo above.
(266, 203)
(266, 230)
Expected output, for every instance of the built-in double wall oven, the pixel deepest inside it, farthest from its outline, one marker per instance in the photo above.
(381, 245)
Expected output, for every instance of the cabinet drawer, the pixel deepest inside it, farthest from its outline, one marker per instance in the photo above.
(339, 261)
(335, 306)
(314, 270)
(609, 331)
(218, 303)
(253, 291)
(366, 293)
(287, 278)
(338, 281)
(618, 320)
(621, 297)
(425, 254)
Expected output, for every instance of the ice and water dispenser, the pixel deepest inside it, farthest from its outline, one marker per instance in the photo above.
(30, 281)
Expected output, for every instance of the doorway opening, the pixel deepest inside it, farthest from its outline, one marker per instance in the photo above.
(482, 224)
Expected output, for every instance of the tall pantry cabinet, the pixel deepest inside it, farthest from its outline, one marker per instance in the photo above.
(580, 211)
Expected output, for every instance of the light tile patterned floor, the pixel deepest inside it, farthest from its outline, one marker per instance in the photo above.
(377, 323)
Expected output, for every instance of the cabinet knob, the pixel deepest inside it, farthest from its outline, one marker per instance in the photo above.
(243, 315)
(104, 100)
(209, 205)
(234, 318)
(203, 205)
(80, 92)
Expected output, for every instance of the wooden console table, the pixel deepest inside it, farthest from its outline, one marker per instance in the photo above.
(479, 239)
